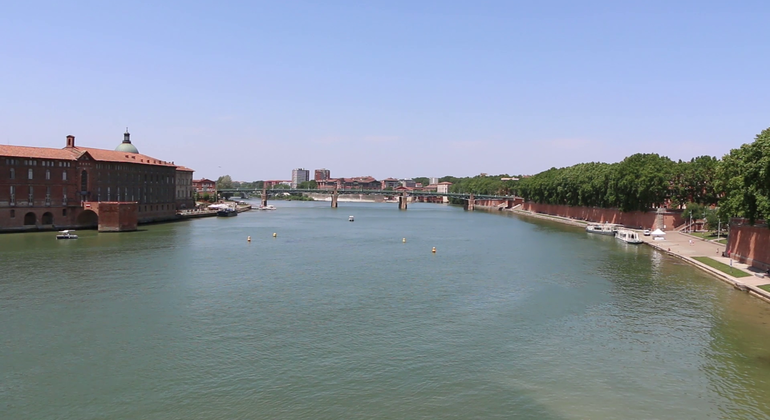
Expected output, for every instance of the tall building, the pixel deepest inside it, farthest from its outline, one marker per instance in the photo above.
(433, 180)
(47, 188)
(322, 174)
(299, 176)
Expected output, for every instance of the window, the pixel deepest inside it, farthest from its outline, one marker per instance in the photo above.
(64, 175)
(31, 195)
(47, 174)
(63, 212)
(13, 173)
(13, 213)
(29, 173)
(13, 194)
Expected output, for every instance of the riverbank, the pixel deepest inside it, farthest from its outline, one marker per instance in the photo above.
(687, 248)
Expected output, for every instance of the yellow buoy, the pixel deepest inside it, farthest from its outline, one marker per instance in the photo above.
(248, 238)
(403, 240)
(275, 235)
(434, 250)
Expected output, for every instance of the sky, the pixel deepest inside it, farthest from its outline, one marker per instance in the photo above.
(253, 89)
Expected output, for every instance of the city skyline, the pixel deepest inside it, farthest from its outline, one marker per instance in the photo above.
(392, 89)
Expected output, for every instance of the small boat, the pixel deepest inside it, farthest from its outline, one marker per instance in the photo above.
(228, 212)
(602, 228)
(267, 207)
(628, 236)
(351, 219)
(66, 234)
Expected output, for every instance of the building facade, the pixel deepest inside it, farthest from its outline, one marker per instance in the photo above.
(185, 192)
(299, 176)
(322, 175)
(47, 188)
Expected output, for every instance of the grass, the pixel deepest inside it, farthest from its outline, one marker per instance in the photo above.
(708, 235)
(722, 267)
(765, 287)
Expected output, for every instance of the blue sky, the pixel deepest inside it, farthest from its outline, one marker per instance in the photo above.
(386, 88)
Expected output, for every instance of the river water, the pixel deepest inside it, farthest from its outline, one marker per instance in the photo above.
(510, 318)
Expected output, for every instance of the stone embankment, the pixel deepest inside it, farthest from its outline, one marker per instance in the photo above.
(686, 247)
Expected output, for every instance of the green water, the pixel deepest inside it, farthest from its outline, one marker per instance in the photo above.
(511, 318)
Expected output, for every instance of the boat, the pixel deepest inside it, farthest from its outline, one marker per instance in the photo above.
(602, 228)
(351, 219)
(227, 212)
(267, 207)
(66, 234)
(628, 236)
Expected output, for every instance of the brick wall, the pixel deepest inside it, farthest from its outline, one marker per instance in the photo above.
(750, 244)
(635, 219)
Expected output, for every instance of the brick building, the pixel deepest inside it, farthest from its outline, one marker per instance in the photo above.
(47, 188)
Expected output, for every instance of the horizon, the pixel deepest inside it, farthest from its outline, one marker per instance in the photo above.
(386, 89)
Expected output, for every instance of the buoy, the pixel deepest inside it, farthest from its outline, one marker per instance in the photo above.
(403, 240)
(248, 238)
(275, 235)
(434, 250)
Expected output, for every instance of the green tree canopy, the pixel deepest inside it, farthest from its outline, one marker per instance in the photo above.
(224, 182)
(743, 177)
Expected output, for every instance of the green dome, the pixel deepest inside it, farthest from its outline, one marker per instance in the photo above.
(126, 146)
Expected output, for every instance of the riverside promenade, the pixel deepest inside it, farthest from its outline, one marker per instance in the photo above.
(688, 247)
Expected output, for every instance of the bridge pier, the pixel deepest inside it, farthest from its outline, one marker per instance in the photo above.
(471, 203)
(334, 198)
(402, 201)
(264, 197)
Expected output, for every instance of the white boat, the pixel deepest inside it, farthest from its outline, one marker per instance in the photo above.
(628, 236)
(602, 228)
(267, 207)
(66, 234)
(351, 219)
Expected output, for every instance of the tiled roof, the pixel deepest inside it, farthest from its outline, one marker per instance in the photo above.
(73, 153)
(184, 169)
(122, 157)
(37, 152)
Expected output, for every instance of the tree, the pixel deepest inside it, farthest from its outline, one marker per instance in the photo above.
(308, 185)
(224, 182)
(422, 180)
(743, 177)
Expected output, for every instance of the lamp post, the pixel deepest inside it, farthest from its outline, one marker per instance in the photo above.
(689, 228)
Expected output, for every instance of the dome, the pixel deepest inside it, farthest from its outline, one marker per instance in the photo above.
(126, 146)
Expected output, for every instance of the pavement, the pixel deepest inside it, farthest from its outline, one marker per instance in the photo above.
(687, 246)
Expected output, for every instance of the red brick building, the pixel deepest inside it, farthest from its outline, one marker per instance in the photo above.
(47, 188)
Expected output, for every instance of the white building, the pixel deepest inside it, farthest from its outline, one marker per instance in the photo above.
(299, 176)
(433, 180)
(443, 187)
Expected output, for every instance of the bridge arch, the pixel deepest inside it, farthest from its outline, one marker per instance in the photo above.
(88, 218)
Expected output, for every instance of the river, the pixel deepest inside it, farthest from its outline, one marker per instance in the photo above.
(510, 318)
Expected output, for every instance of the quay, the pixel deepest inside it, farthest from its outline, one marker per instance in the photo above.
(686, 248)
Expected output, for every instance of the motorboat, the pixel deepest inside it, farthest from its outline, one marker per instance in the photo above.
(628, 236)
(66, 234)
(227, 212)
(351, 219)
(267, 207)
(602, 228)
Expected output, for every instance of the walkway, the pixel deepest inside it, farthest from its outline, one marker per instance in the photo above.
(687, 246)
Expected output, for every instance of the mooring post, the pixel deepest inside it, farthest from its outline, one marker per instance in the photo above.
(334, 197)
(402, 201)
(471, 202)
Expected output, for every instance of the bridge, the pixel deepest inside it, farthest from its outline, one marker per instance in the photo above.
(402, 195)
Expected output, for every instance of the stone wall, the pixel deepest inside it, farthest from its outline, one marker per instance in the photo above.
(117, 217)
(750, 244)
(664, 220)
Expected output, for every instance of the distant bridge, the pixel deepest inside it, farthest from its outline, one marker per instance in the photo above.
(468, 197)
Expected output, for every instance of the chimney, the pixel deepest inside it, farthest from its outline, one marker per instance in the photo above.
(70, 141)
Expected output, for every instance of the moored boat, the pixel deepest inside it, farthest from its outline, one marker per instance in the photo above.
(227, 212)
(267, 207)
(602, 228)
(628, 236)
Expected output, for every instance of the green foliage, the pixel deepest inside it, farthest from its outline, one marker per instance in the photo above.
(224, 182)
(744, 178)
(422, 180)
(308, 185)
